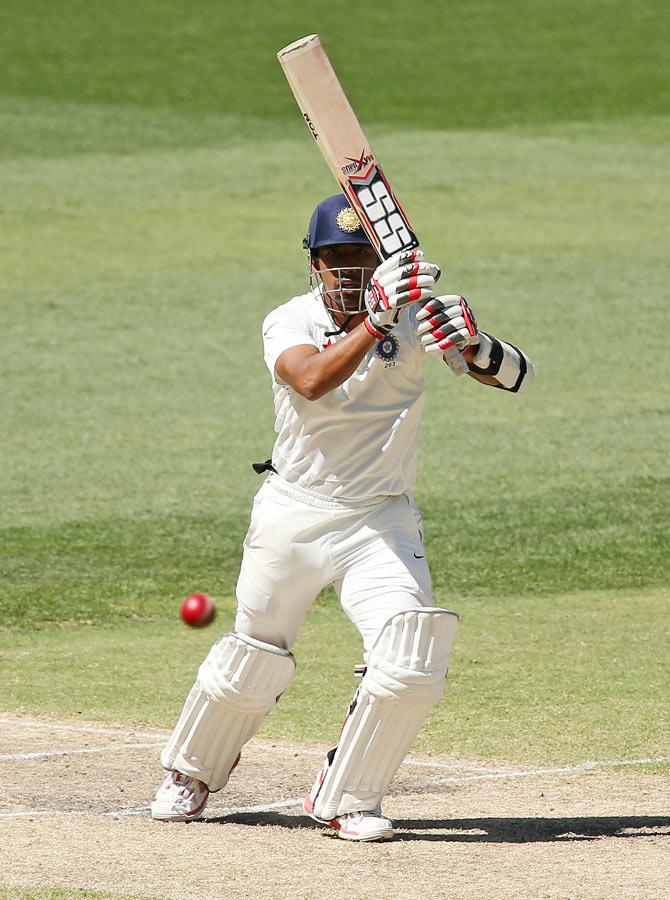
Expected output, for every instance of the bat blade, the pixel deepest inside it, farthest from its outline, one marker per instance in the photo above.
(345, 148)
(348, 153)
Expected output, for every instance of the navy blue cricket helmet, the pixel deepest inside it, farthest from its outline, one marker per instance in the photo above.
(334, 221)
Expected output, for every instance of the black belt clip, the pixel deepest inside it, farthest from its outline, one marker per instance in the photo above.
(266, 466)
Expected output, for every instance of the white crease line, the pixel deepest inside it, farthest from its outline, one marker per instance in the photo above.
(84, 729)
(459, 767)
(275, 748)
(145, 810)
(296, 801)
(557, 770)
(72, 813)
(493, 772)
(46, 754)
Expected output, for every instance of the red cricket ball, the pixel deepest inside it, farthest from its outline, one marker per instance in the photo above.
(198, 610)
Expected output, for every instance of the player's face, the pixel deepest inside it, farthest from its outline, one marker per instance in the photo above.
(345, 270)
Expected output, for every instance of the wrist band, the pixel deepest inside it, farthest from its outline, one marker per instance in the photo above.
(504, 362)
(373, 329)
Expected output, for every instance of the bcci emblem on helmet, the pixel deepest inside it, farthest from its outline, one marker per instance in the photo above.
(334, 221)
(388, 348)
(347, 220)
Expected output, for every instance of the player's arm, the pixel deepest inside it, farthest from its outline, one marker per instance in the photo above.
(313, 373)
(448, 321)
(402, 279)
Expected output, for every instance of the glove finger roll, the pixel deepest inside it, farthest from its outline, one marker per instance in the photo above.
(422, 270)
(446, 339)
(442, 345)
(445, 330)
(403, 258)
(429, 326)
(429, 308)
(405, 284)
(411, 296)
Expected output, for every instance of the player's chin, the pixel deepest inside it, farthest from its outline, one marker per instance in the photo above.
(351, 299)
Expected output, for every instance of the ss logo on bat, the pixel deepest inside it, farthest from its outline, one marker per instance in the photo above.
(386, 219)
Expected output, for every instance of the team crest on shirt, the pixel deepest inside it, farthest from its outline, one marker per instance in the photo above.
(388, 348)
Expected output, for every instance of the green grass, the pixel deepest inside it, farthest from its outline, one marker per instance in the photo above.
(127, 568)
(136, 395)
(538, 680)
(155, 183)
(462, 64)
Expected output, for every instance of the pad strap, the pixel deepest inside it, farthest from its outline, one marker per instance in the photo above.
(505, 362)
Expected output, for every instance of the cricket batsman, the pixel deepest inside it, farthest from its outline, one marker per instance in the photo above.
(336, 508)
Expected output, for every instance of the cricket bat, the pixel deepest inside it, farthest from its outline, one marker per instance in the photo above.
(348, 154)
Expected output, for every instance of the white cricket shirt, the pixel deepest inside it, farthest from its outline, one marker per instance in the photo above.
(359, 441)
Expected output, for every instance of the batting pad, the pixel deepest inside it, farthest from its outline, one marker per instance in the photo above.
(239, 682)
(406, 674)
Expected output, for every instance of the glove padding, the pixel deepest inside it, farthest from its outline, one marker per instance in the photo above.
(446, 322)
(402, 279)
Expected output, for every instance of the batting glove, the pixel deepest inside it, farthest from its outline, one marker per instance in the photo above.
(400, 280)
(446, 322)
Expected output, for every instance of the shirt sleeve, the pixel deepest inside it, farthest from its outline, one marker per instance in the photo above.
(284, 328)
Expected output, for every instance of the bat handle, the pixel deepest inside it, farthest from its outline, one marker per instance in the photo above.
(455, 361)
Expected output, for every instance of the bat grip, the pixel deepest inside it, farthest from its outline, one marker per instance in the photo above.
(455, 360)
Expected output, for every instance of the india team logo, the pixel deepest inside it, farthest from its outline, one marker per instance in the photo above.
(388, 348)
(347, 220)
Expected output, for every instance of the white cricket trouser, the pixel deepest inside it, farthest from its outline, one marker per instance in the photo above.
(298, 543)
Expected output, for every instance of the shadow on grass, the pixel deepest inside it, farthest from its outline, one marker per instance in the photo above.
(488, 830)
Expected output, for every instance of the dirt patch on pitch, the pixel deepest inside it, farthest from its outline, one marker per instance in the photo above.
(74, 813)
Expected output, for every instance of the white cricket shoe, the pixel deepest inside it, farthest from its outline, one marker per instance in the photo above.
(368, 825)
(179, 799)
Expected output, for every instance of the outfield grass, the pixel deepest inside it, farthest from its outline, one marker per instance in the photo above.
(463, 64)
(537, 680)
(148, 226)
(136, 394)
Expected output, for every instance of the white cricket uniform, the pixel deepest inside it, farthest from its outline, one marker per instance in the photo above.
(339, 510)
